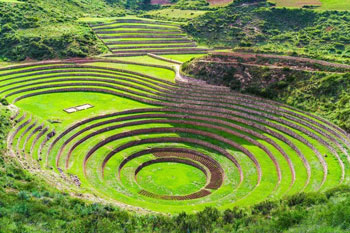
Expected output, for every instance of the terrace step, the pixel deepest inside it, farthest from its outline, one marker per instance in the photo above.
(133, 21)
(32, 124)
(164, 59)
(140, 32)
(157, 53)
(193, 45)
(140, 26)
(163, 50)
(143, 36)
(185, 41)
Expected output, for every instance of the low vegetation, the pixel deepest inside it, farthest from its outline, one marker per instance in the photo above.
(48, 29)
(259, 27)
(315, 4)
(173, 14)
(191, 5)
(180, 10)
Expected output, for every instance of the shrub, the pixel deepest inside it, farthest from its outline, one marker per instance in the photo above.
(230, 215)
(289, 218)
(4, 102)
(306, 199)
(23, 195)
(334, 191)
(264, 208)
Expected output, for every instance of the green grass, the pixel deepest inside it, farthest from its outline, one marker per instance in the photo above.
(322, 4)
(112, 19)
(51, 30)
(38, 106)
(171, 179)
(161, 73)
(175, 29)
(146, 60)
(140, 39)
(76, 168)
(11, 1)
(128, 45)
(143, 34)
(97, 20)
(182, 58)
(335, 5)
(153, 49)
(162, 26)
(174, 14)
(134, 32)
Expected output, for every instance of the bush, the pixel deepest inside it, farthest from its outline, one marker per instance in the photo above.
(306, 199)
(264, 208)
(230, 215)
(4, 102)
(289, 219)
(340, 189)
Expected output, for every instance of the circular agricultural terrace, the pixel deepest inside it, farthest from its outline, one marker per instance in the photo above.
(147, 141)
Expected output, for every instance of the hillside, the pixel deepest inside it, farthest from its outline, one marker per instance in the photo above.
(260, 27)
(49, 29)
(312, 85)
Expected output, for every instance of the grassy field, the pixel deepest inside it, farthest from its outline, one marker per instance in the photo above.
(11, 1)
(182, 58)
(171, 179)
(335, 5)
(174, 14)
(321, 4)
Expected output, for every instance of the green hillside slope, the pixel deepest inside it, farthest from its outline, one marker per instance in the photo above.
(49, 29)
(260, 27)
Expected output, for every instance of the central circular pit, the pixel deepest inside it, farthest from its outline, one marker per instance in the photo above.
(171, 178)
(175, 173)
